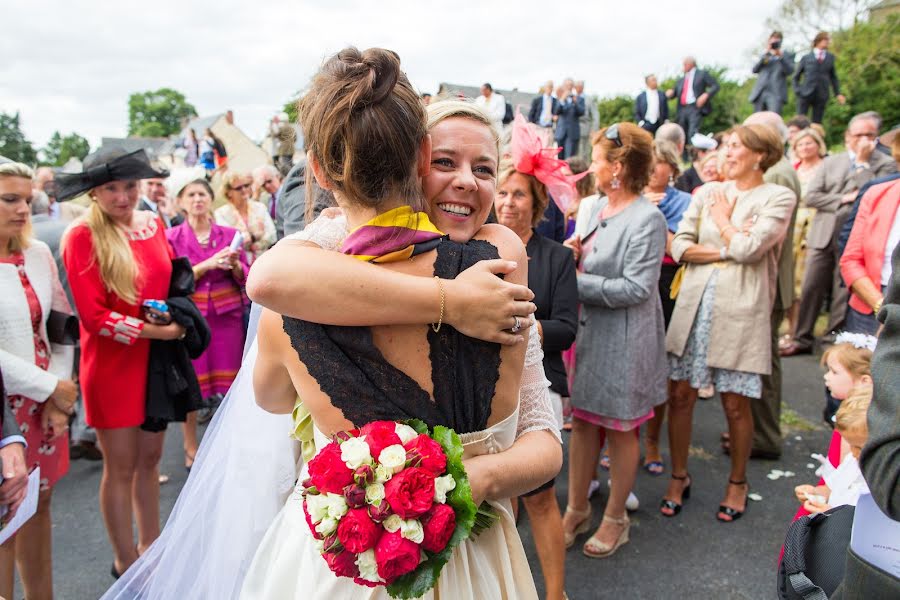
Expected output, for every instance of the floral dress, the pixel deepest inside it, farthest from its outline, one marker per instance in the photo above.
(50, 454)
(258, 228)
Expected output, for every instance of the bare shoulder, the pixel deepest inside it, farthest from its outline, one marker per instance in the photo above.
(509, 245)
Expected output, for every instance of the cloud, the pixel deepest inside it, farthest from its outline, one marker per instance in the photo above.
(74, 64)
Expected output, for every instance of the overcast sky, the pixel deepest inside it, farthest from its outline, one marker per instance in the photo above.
(71, 65)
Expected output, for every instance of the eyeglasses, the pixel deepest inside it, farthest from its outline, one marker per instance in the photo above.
(871, 136)
(612, 134)
(268, 181)
(240, 188)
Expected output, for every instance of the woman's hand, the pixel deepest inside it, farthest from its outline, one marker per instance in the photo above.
(15, 478)
(574, 243)
(173, 331)
(478, 480)
(65, 394)
(54, 422)
(801, 491)
(481, 305)
(720, 208)
(813, 507)
(655, 197)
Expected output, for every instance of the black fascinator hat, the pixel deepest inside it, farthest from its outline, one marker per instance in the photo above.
(105, 166)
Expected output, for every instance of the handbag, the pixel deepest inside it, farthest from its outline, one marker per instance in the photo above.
(815, 552)
(62, 328)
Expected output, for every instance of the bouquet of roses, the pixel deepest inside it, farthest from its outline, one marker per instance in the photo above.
(389, 502)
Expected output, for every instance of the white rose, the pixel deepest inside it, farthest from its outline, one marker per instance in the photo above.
(319, 544)
(355, 452)
(442, 486)
(317, 507)
(393, 458)
(326, 526)
(375, 493)
(383, 474)
(337, 506)
(368, 568)
(392, 523)
(405, 432)
(412, 530)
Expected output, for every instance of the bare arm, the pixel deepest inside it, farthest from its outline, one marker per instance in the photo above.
(272, 384)
(534, 459)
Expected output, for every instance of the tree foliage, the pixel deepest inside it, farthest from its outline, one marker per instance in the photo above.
(61, 148)
(158, 113)
(13, 143)
(800, 20)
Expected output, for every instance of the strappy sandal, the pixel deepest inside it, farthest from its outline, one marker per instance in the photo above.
(655, 467)
(685, 494)
(734, 514)
(594, 548)
(583, 526)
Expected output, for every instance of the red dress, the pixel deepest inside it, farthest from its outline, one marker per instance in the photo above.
(51, 455)
(113, 358)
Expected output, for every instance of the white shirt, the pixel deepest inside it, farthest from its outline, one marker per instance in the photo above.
(689, 84)
(495, 107)
(652, 114)
(892, 240)
(820, 54)
(546, 118)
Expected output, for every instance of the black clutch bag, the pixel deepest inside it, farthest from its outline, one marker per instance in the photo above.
(62, 328)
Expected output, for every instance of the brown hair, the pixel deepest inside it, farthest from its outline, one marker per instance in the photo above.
(198, 181)
(762, 140)
(364, 123)
(857, 361)
(635, 154)
(584, 186)
(538, 190)
(666, 152)
(819, 37)
(851, 415)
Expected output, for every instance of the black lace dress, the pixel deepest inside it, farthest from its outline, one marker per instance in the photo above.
(360, 382)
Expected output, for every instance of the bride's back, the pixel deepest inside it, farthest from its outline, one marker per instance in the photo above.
(365, 131)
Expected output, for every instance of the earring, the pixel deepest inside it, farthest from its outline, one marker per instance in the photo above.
(756, 167)
(671, 180)
(615, 184)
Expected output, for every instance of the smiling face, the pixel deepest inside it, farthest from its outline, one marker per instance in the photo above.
(659, 178)
(514, 204)
(240, 189)
(117, 199)
(459, 188)
(739, 159)
(15, 206)
(195, 199)
(806, 148)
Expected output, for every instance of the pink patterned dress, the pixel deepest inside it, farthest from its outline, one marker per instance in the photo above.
(51, 455)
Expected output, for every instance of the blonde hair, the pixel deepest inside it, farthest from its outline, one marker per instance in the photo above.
(15, 169)
(228, 181)
(857, 361)
(448, 108)
(851, 416)
(113, 254)
(811, 133)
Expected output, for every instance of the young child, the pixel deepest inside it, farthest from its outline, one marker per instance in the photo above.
(844, 484)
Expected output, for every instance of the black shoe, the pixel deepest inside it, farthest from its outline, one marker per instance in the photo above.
(671, 504)
(112, 571)
(732, 513)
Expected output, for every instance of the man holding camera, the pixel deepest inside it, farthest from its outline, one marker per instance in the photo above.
(773, 69)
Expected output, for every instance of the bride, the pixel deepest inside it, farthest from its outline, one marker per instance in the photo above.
(247, 460)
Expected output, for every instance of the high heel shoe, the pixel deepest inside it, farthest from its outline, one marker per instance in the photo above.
(594, 548)
(685, 494)
(734, 514)
(583, 526)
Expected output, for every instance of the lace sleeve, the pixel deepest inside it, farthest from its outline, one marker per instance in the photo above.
(327, 231)
(535, 409)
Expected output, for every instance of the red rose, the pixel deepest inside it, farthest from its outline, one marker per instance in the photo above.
(380, 435)
(312, 526)
(439, 524)
(357, 531)
(342, 564)
(328, 472)
(365, 582)
(395, 556)
(410, 492)
(429, 452)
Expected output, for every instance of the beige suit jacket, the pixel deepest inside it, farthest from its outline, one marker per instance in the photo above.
(68, 212)
(740, 338)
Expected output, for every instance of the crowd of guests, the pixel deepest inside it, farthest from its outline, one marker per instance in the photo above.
(657, 281)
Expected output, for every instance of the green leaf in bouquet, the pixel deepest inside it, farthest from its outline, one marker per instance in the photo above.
(419, 426)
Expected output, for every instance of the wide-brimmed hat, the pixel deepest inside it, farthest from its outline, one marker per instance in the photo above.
(181, 178)
(105, 166)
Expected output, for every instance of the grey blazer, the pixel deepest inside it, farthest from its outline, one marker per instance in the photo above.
(831, 182)
(772, 74)
(621, 367)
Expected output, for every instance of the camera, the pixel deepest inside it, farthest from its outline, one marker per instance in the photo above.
(775, 45)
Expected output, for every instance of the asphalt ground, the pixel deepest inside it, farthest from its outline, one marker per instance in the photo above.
(689, 556)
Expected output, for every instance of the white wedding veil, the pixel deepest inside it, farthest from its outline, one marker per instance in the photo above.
(243, 473)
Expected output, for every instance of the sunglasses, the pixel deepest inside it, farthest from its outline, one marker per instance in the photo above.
(240, 188)
(612, 134)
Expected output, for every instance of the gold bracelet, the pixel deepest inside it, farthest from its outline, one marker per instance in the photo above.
(877, 308)
(437, 327)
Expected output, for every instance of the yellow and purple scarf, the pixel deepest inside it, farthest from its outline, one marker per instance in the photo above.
(395, 235)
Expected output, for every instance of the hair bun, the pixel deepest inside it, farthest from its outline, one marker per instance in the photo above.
(376, 72)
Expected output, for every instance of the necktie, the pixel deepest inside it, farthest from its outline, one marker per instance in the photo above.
(820, 57)
(684, 90)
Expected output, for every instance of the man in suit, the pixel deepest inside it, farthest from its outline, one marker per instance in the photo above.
(493, 104)
(44, 181)
(543, 113)
(831, 192)
(568, 131)
(651, 109)
(772, 70)
(155, 198)
(694, 92)
(12, 458)
(588, 123)
(813, 78)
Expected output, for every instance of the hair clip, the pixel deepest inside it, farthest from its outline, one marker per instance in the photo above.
(857, 340)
